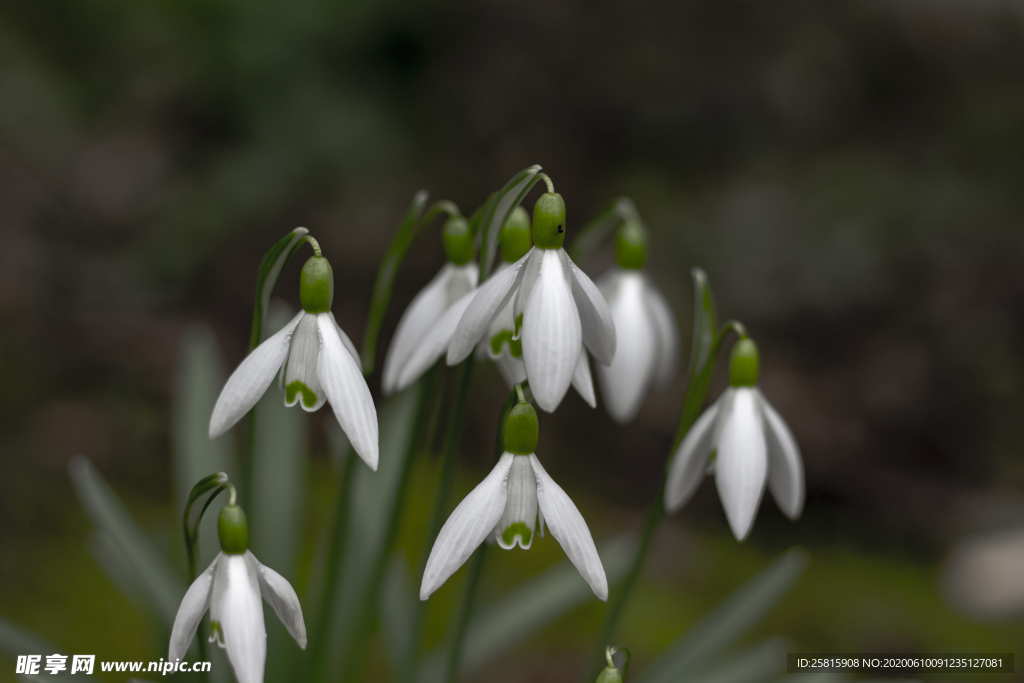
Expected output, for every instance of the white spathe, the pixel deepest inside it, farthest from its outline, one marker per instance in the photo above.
(231, 589)
(518, 494)
(450, 284)
(318, 363)
(646, 342)
(563, 312)
(754, 447)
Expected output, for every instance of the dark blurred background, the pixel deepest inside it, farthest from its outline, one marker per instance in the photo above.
(849, 175)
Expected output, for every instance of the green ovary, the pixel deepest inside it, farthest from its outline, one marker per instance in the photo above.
(515, 529)
(296, 387)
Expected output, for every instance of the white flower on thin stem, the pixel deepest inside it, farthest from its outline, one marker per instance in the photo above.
(647, 341)
(232, 589)
(562, 310)
(403, 364)
(512, 503)
(317, 363)
(752, 447)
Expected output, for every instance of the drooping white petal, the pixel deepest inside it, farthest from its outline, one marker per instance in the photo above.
(279, 593)
(785, 466)
(190, 612)
(625, 382)
(346, 341)
(300, 382)
(567, 526)
(519, 520)
(469, 524)
(598, 326)
(490, 297)
(251, 378)
(450, 283)
(432, 345)
(345, 386)
(689, 462)
(235, 605)
(667, 335)
(551, 333)
(531, 271)
(583, 382)
(741, 467)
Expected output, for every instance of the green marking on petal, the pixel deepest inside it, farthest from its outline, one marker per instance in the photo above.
(498, 340)
(515, 348)
(296, 387)
(517, 529)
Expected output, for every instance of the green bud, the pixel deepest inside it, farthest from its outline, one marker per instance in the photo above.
(233, 530)
(631, 246)
(521, 430)
(609, 675)
(744, 364)
(515, 236)
(458, 241)
(549, 221)
(316, 285)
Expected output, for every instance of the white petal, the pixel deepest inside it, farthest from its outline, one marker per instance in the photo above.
(551, 334)
(346, 341)
(668, 336)
(531, 271)
(235, 605)
(281, 596)
(251, 378)
(520, 507)
(190, 613)
(490, 297)
(689, 462)
(512, 369)
(625, 382)
(598, 326)
(345, 386)
(426, 307)
(741, 467)
(431, 346)
(567, 526)
(785, 467)
(469, 524)
(299, 380)
(583, 382)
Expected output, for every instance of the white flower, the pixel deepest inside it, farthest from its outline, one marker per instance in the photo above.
(318, 363)
(512, 502)
(647, 341)
(231, 588)
(752, 446)
(420, 319)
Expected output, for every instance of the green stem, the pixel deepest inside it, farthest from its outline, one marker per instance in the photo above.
(319, 650)
(601, 226)
(476, 570)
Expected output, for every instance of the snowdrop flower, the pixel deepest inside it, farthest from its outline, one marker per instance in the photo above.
(562, 310)
(752, 446)
(515, 500)
(317, 362)
(647, 340)
(456, 279)
(231, 589)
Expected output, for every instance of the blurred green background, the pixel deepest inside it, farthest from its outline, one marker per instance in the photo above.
(848, 174)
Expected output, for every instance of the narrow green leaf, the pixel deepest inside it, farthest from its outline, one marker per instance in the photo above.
(705, 322)
(529, 608)
(496, 211)
(266, 278)
(386, 274)
(759, 664)
(161, 587)
(397, 599)
(737, 614)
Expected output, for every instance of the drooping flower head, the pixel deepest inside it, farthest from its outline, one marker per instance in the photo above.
(512, 504)
(646, 337)
(750, 446)
(231, 589)
(562, 310)
(317, 363)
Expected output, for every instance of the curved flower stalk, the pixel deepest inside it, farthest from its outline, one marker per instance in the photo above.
(231, 590)
(456, 278)
(751, 444)
(511, 504)
(562, 310)
(317, 363)
(647, 339)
